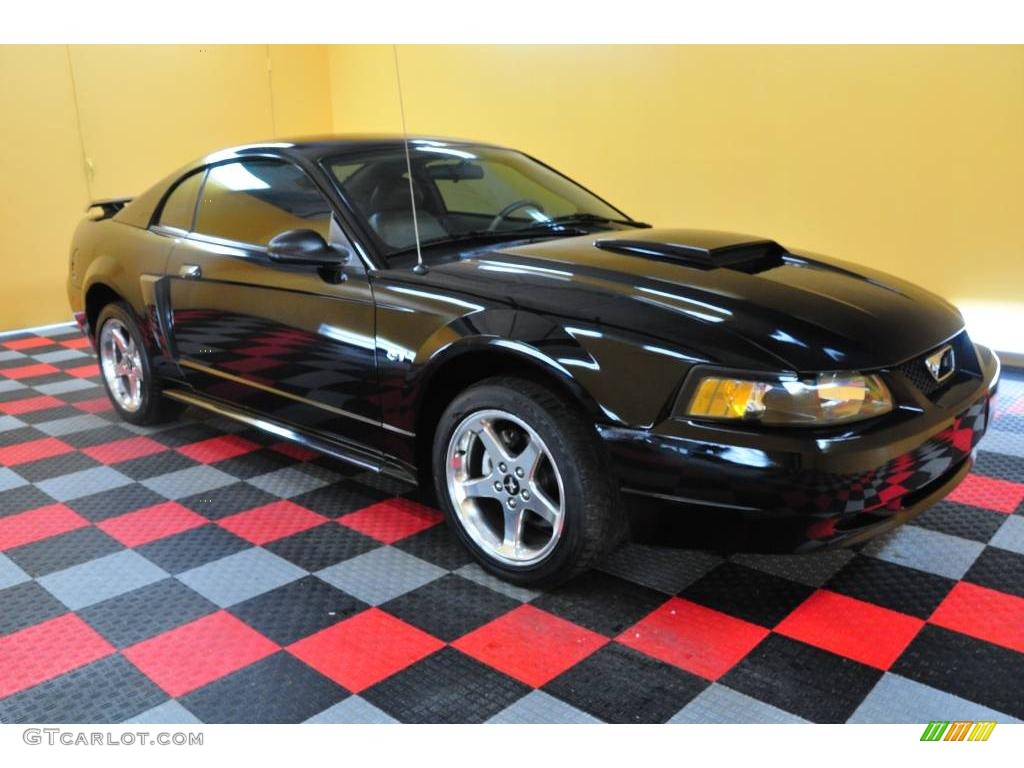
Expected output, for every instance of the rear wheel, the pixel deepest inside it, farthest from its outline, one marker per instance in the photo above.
(126, 369)
(523, 482)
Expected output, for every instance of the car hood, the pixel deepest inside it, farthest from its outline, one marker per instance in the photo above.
(729, 298)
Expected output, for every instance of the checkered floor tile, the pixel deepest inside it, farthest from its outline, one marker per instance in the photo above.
(200, 571)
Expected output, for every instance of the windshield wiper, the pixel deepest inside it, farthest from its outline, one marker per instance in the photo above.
(592, 218)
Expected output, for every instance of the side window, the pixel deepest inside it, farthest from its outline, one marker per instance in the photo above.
(180, 206)
(251, 201)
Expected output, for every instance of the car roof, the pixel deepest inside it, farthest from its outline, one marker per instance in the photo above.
(329, 145)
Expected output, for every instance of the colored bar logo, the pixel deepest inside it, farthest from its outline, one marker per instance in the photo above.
(958, 730)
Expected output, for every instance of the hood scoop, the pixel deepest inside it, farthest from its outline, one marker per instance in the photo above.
(701, 249)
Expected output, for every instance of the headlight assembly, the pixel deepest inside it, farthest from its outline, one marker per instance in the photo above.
(826, 399)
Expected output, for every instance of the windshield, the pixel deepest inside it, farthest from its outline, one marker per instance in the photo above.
(460, 191)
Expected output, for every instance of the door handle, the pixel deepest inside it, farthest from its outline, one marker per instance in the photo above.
(190, 271)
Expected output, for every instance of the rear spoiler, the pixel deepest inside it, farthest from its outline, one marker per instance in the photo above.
(107, 207)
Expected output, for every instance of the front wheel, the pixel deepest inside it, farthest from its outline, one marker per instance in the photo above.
(523, 482)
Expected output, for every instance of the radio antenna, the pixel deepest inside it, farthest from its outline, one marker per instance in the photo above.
(420, 268)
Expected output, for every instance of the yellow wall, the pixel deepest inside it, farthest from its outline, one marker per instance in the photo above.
(84, 122)
(906, 158)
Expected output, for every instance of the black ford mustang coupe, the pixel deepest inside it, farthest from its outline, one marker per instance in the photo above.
(559, 374)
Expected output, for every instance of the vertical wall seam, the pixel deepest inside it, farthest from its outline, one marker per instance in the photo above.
(78, 124)
(270, 86)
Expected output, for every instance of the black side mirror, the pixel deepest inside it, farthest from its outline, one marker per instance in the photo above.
(305, 246)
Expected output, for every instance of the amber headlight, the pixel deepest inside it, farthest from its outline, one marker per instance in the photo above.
(829, 398)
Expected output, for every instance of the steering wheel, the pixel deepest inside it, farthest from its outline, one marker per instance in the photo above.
(511, 208)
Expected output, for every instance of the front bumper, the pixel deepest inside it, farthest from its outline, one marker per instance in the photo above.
(687, 483)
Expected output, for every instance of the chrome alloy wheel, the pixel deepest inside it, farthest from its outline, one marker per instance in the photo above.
(505, 487)
(121, 361)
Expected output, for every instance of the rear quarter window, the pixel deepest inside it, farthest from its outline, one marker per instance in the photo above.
(180, 205)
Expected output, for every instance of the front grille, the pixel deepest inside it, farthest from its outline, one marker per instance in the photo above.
(917, 372)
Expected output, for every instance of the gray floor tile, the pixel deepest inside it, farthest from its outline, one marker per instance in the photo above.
(718, 704)
(1010, 535)
(538, 707)
(84, 483)
(100, 579)
(895, 699)
(10, 574)
(72, 424)
(240, 576)
(926, 550)
(354, 710)
(187, 482)
(380, 575)
(168, 713)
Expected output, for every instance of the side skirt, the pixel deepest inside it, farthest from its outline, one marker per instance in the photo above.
(347, 453)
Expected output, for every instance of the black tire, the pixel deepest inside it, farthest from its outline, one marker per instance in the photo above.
(154, 408)
(593, 516)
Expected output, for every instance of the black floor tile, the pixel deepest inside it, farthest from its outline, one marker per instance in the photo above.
(322, 546)
(119, 501)
(450, 607)
(25, 605)
(22, 499)
(961, 520)
(277, 689)
(445, 687)
(297, 610)
(601, 602)
(906, 590)
(799, 678)
(436, 545)
(146, 612)
(190, 549)
(620, 685)
(227, 500)
(964, 666)
(747, 593)
(999, 569)
(63, 551)
(107, 691)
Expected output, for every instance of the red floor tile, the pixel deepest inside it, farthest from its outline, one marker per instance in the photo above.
(851, 628)
(989, 492)
(32, 342)
(530, 645)
(40, 653)
(33, 450)
(152, 523)
(199, 652)
(29, 405)
(124, 450)
(218, 448)
(84, 371)
(29, 371)
(698, 639)
(391, 520)
(96, 405)
(271, 521)
(983, 613)
(363, 650)
(79, 343)
(38, 524)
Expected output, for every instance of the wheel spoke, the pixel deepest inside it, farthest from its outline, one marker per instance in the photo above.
(480, 487)
(529, 458)
(119, 341)
(542, 505)
(513, 530)
(493, 443)
(133, 385)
